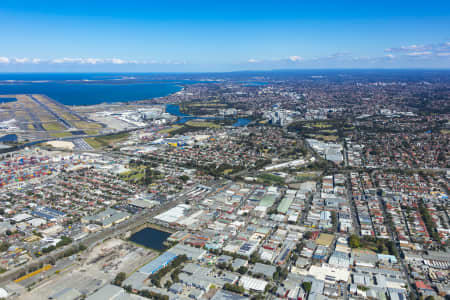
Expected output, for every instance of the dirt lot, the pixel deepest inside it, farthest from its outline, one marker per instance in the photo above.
(94, 269)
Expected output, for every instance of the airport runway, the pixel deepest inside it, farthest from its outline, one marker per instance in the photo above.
(55, 115)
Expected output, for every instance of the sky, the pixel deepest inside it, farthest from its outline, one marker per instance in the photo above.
(214, 35)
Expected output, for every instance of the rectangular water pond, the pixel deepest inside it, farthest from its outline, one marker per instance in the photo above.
(150, 238)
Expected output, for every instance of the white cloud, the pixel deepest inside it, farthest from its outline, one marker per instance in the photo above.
(421, 50)
(295, 58)
(339, 54)
(64, 60)
(409, 48)
(92, 61)
(419, 53)
(87, 61)
(361, 58)
(118, 61)
(395, 57)
(21, 60)
(414, 47)
(434, 53)
(4, 60)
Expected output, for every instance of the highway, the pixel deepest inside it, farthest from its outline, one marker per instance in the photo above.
(70, 138)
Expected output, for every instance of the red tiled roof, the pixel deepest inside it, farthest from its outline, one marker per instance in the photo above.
(423, 286)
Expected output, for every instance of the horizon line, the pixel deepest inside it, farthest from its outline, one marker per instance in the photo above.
(221, 72)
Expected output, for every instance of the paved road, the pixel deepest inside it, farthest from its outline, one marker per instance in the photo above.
(354, 212)
(306, 209)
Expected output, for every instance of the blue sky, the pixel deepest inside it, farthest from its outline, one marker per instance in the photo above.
(222, 35)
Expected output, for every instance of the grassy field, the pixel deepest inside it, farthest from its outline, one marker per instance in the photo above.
(53, 126)
(45, 118)
(86, 125)
(169, 130)
(306, 176)
(317, 125)
(60, 134)
(107, 140)
(202, 124)
(134, 175)
(271, 178)
(321, 125)
(113, 138)
(327, 138)
(227, 171)
(69, 117)
(93, 143)
(91, 131)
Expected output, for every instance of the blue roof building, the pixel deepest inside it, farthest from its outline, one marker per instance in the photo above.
(158, 263)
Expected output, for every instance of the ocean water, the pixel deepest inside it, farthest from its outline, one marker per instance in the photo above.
(6, 100)
(92, 93)
(94, 88)
(60, 76)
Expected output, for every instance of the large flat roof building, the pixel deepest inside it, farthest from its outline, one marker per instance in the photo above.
(158, 263)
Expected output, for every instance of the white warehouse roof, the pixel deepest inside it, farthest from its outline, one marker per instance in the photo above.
(252, 284)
